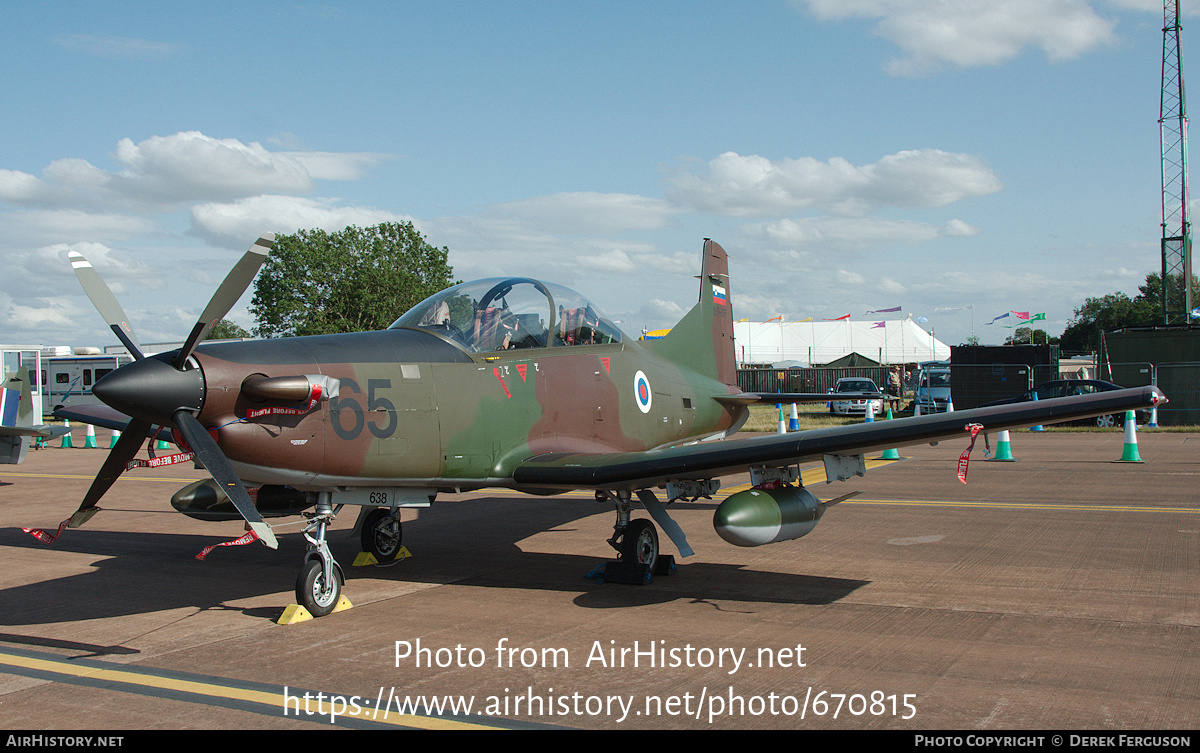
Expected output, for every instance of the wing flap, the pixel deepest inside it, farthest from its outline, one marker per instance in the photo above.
(639, 470)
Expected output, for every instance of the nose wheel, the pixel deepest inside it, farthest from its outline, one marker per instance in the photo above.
(317, 591)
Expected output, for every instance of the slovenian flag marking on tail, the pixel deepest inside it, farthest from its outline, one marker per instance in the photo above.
(719, 295)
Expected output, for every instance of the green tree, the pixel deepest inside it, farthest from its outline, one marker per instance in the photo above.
(223, 329)
(357, 279)
(1027, 336)
(1096, 315)
(1151, 292)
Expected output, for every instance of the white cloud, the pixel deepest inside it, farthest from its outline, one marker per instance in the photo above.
(967, 33)
(117, 48)
(240, 222)
(655, 313)
(959, 229)
(614, 261)
(191, 166)
(586, 213)
(678, 263)
(1187, 7)
(743, 186)
(33, 227)
(852, 233)
(53, 316)
(335, 165)
(21, 188)
(163, 173)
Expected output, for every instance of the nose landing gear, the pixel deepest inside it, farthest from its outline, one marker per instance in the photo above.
(319, 584)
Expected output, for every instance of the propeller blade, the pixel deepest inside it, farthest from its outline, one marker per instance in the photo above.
(105, 302)
(210, 455)
(126, 447)
(236, 282)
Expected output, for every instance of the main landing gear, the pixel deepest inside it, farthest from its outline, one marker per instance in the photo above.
(319, 585)
(382, 534)
(636, 543)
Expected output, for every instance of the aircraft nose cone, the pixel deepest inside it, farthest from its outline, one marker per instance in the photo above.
(152, 389)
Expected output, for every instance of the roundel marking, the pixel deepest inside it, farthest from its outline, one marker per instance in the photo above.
(641, 392)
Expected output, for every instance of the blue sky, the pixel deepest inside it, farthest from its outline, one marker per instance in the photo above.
(851, 155)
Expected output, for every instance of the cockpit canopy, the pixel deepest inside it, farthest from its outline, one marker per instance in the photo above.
(503, 313)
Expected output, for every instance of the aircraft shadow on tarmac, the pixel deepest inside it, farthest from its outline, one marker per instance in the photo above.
(466, 542)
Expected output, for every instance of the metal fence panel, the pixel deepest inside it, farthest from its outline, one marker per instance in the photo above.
(1045, 373)
(1136, 374)
(805, 380)
(974, 385)
(1181, 384)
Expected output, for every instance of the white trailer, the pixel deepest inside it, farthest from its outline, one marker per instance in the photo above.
(68, 380)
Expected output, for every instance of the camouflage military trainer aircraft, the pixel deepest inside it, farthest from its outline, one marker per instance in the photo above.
(506, 382)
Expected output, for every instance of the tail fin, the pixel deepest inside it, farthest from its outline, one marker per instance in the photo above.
(703, 340)
(16, 412)
(16, 403)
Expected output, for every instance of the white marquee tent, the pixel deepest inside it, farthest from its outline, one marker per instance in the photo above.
(888, 342)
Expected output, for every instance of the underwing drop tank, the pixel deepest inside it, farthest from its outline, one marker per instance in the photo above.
(764, 516)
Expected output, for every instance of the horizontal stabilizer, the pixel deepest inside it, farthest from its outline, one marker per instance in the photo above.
(103, 416)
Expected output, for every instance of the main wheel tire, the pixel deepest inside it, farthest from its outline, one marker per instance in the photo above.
(313, 593)
(640, 543)
(382, 534)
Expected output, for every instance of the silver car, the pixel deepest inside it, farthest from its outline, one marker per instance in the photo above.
(855, 406)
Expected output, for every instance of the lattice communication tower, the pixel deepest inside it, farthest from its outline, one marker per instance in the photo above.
(1172, 123)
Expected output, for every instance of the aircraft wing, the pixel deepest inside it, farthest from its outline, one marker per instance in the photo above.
(746, 398)
(46, 432)
(641, 470)
(102, 415)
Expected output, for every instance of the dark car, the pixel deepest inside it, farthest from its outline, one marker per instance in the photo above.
(1069, 387)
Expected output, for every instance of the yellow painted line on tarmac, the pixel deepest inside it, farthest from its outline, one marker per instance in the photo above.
(211, 690)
